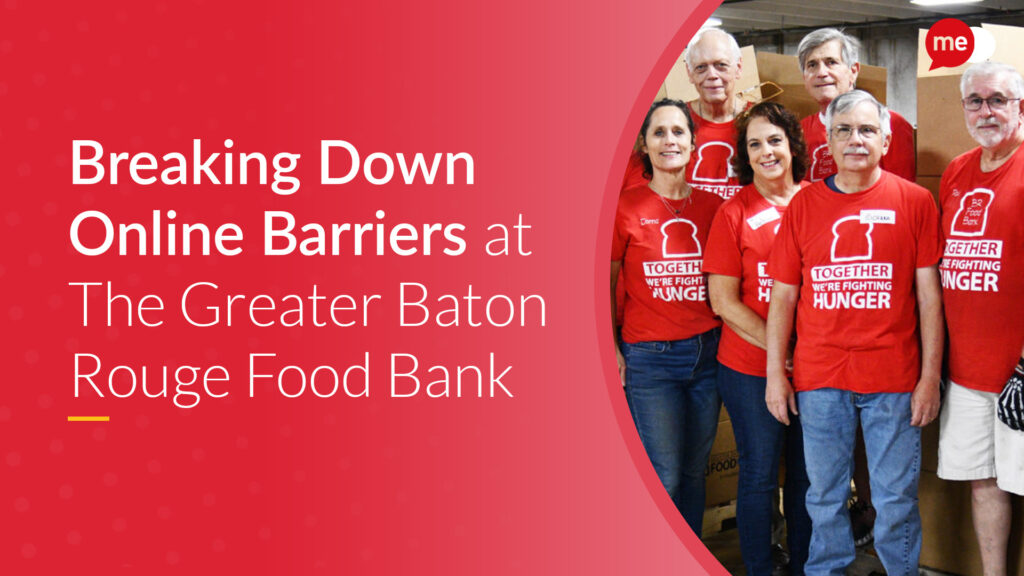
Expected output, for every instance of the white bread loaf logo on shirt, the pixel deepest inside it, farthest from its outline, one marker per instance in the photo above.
(679, 239)
(712, 157)
(851, 235)
(851, 239)
(972, 217)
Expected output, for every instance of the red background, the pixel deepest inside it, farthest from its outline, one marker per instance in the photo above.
(545, 96)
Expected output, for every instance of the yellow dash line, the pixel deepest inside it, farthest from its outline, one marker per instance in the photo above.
(88, 418)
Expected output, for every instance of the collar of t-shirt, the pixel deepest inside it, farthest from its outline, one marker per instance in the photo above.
(831, 183)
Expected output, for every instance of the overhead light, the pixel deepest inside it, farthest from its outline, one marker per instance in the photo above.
(942, 2)
(712, 22)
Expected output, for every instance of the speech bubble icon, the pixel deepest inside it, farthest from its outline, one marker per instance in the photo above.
(949, 43)
(984, 45)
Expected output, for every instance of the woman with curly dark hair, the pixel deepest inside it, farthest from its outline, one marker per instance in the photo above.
(771, 160)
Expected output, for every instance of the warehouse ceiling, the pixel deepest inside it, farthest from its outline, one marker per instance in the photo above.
(745, 17)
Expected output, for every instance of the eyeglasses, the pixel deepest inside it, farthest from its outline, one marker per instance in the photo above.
(995, 103)
(867, 132)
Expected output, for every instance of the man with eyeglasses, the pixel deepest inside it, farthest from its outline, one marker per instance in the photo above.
(829, 61)
(855, 258)
(713, 64)
(982, 198)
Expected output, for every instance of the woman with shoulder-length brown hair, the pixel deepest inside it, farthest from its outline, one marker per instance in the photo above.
(771, 160)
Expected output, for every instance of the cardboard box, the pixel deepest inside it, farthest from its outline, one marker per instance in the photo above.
(942, 134)
(723, 469)
(930, 182)
(949, 544)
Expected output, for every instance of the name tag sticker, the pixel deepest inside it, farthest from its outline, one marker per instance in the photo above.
(763, 217)
(878, 216)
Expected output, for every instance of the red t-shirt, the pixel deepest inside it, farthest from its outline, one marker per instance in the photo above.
(901, 159)
(854, 257)
(983, 269)
(709, 168)
(740, 240)
(661, 253)
(634, 175)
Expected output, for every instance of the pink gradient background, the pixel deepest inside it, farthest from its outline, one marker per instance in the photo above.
(545, 96)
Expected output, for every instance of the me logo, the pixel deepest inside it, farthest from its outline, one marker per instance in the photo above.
(712, 160)
(851, 239)
(950, 43)
(679, 239)
(971, 218)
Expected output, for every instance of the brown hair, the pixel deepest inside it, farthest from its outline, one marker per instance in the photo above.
(779, 116)
(648, 168)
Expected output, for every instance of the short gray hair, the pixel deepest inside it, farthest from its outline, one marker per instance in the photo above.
(846, 102)
(849, 45)
(991, 69)
(733, 45)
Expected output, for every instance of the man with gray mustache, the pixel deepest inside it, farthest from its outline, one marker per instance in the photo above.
(855, 258)
(982, 197)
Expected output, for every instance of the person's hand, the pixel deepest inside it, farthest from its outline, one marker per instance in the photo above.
(924, 403)
(1010, 400)
(621, 360)
(780, 398)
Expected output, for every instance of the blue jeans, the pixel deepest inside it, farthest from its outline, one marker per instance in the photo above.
(760, 441)
(670, 388)
(829, 418)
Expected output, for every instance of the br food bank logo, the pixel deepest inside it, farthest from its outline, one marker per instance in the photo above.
(823, 164)
(972, 217)
(970, 262)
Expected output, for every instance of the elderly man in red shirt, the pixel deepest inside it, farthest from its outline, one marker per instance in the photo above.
(855, 260)
(982, 197)
(829, 61)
